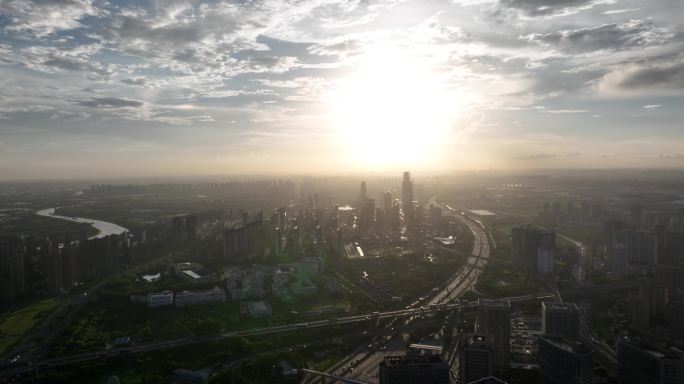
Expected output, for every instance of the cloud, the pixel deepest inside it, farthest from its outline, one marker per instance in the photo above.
(671, 156)
(44, 17)
(620, 11)
(109, 102)
(536, 8)
(139, 81)
(566, 111)
(642, 79)
(546, 156)
(632, 34)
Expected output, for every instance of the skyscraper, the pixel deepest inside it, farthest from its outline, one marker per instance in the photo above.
(407, 195)
(641, 363)
(564, 362)
(494, 322)
(560, 319)
(475, 358)
(364, 194)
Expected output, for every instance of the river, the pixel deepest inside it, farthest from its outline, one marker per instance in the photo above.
(104, 228)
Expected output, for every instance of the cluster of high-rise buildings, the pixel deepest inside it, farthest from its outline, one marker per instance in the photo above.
(62, 262)
(390, 213)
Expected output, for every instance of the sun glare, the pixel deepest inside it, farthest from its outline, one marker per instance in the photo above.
(392, 111)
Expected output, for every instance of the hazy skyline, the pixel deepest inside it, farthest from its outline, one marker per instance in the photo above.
(137, 88)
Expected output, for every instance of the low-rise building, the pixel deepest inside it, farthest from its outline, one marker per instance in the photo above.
(244, 284)
(259, 309)
(159, 299)
(200, 297)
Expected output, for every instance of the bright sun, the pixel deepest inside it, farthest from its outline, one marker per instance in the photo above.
(391, 112)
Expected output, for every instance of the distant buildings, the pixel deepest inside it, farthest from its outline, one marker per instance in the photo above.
(564, 362)
(494, 323)
(642, 363)
(413, 370)
(560, 319)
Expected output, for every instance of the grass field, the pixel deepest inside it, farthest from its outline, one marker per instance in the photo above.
(16, 324)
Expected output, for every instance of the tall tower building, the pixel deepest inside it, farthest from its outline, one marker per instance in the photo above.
(364, 194)
(560, 319)
(494, 322)
(407, 195)
(564, 362)
(641, 363)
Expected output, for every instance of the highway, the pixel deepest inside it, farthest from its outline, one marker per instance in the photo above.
(364, 362)
(468, 273)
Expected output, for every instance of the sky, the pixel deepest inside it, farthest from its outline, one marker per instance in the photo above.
(93, 88)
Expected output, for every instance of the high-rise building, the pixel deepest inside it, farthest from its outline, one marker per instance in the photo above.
(11, 267)
(637, 215)
(475, 359)
(640, 312)
(278, 241)
(387, 197)
(177, 224)
(546, 260)
(641, 363)
(413, 370)
(619, 261)
(191, 228)
(494, 323)
(641, 246)
(658, 298)
(54, 273)
(526, 242)
(230, 243)
(407, 195)
(564, 362)
(364, 194)
(560, 319)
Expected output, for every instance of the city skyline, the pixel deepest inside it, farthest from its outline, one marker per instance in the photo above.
(138, 88)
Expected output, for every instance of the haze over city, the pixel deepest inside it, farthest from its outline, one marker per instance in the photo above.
(342, 191)
(150, 88)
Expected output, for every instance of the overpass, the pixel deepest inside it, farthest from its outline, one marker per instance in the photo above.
(431, 309)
